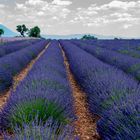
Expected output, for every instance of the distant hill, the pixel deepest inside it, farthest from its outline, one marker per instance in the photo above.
(7, 32)
(78, 36)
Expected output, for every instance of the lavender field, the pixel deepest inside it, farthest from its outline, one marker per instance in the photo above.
(10, 39)
(70, 89)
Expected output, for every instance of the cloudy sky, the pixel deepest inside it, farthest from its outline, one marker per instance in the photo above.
(103, 17)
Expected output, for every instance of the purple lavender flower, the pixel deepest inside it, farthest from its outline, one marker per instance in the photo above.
(13, 63)
(110, 93)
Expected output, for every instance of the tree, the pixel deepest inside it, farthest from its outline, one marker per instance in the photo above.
(34, 32)
(87, 37)
(116, 38)
(1, 32)
(22, 29)
(84, 37)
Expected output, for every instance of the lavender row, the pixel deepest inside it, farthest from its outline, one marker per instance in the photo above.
(45, 93)
(127, 47)
(110, 93)
(12, 64)
(10, 43)
(12, 39)
(15, 46)
(116, 44)
(128, 64)
(17, 42)
(38, 132)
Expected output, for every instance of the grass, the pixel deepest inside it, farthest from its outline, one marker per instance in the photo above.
(38, 111)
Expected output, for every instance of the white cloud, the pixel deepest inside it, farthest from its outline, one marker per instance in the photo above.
(41, 13)
(59, 16)
(2, 10)
(44, 8)
(117, 4)
(123, 13)
(55, 18)
(120, 15)
(2, 6)
(20, 6)
(34, 2)
(121, 4)
(61, 2)
(126, 26)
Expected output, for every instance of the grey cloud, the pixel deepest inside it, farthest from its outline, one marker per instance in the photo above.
(117, 17)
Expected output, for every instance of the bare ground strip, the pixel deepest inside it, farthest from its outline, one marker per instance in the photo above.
(85, 125)
(17, 79)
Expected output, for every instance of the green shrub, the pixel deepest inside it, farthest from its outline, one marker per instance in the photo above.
(37, 110)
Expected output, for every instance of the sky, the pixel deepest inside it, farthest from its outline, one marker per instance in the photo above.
(63, 17)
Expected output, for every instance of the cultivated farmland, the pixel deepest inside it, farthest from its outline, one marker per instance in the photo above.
(70, 90)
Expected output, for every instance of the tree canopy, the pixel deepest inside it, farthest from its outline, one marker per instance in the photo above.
(34, 32)
(87, 37)
(22, 29)
(1, 32)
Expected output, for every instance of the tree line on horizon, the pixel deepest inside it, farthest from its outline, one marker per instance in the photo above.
(35, 32)
(24, 31)
(89, 37)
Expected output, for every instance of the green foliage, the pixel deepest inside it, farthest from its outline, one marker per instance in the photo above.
(50, 131)
(87, 37)
(34, 32)
(22, 29)
(1, 32)
(134, 68)
(37, 110)
(116, 38)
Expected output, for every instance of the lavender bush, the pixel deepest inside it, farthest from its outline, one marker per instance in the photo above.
(128, 64)
(12, 64)
(44, 93)
(39, 132)
(133, 44)
(15, 46)
(127, 47)
(110, 93)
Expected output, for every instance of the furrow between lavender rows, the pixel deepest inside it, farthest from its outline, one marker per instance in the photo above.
(127, 47)
(42, 100)
(12, 64)
(85, 124)
(110, 93)
(126, 63)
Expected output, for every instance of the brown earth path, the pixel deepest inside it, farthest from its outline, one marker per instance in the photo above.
(18, 78)
(85, 125)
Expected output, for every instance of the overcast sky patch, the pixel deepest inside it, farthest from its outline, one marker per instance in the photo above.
(106, 17)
